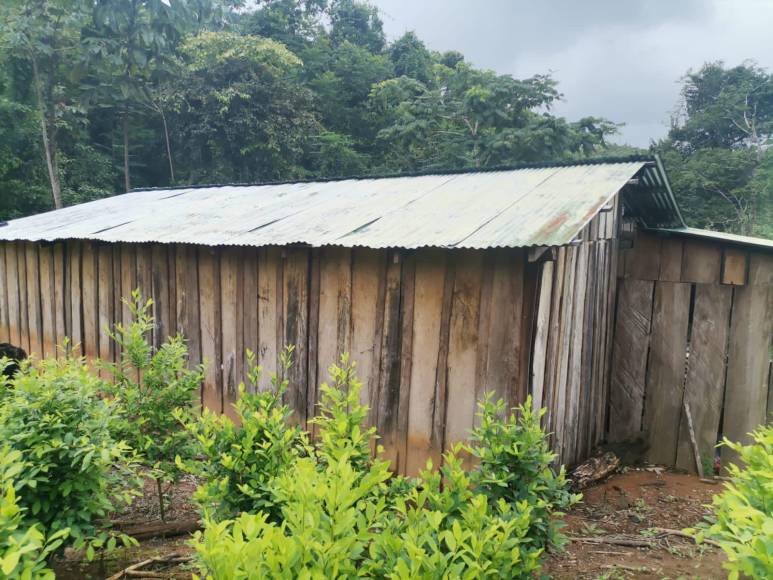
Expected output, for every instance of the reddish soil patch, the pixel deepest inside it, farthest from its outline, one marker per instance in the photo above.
(630, 505)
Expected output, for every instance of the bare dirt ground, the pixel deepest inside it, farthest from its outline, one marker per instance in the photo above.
(143, 513)
(627, 506)
(630, 506)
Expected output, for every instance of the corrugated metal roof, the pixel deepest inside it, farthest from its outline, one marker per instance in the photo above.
(542, 206)
(719, 237)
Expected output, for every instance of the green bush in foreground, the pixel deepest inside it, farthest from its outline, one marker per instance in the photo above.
(23, 548)
(742, 519)
(242, 458)
(515, 465)
(74, 473)
(333, 511)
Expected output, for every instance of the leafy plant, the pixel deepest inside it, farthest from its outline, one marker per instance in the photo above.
(23, 548)
(339, 513)
(742, 519)
(241, 459)
(153, 390)
(75, 472)
(444, 528)
(342, 418)
(329, 518)
(515, 465)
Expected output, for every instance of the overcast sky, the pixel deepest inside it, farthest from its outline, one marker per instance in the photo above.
(620, 59)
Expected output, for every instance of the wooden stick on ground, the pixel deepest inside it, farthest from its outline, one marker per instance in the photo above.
(135, 570)
(681, 534)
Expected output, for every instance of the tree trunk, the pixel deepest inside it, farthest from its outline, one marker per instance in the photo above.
(49, 141)
(160, 491)
(51, 165)
(126, 175)
(168, 146)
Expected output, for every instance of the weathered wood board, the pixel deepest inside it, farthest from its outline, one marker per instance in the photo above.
(231, 327)
(211, 336)
(665, 369)
(629, 358)
(705, 381)
(269, 311)
(541, 336)
(734, 262)
(387, 401)
(295, 293)
(671, 260)
(427, 313)
(47, 300)
(748, 355)
(643, 261)
(368, 273)
(463, 340)
(701, 262)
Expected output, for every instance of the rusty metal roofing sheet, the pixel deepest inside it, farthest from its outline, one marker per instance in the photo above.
(504, 208)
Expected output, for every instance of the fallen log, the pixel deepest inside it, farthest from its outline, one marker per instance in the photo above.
(144, 531)
(594, 469)
(615, 541)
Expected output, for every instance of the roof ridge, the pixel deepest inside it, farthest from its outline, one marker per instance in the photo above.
(463, 170)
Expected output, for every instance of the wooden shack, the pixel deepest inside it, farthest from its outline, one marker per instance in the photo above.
(440, 287)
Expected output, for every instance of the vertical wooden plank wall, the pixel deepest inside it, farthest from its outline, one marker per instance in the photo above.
(694, 325)
(573, 338)
(431, 331)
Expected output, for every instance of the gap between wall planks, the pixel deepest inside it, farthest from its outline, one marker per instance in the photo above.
(725, 381)
(430, 330)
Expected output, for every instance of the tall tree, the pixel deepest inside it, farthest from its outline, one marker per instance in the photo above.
(240, 110)
(718, 149)
(130, 45)
(474, 118)
(411, 58)
(356, 22)
(47, 35)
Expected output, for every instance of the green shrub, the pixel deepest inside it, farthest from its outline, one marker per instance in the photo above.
(152, 391)
(242, 458)
(74, 473)
(23, 548)
(444, 528)
(329, 518)
(514, 464)
(341, 419)
(341, 516)
(742, 519)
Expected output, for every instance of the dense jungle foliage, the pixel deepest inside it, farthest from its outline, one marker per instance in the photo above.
(99, 96)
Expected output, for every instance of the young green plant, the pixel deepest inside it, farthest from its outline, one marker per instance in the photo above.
(153, 389)
(240, 459)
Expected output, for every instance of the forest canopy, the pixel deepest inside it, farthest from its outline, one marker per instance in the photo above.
(101, 96)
